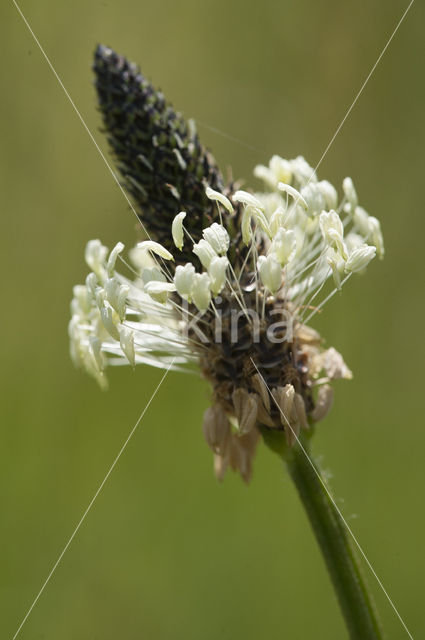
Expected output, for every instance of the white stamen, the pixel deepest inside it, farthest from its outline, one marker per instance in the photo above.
(184, 279)
(205, 252)
(177, 230)
(376, 235)
(350, 193)
(95, 258)
(127, 345)
(270, 272)
(95, 348)
(293, 193)
(333, 231)
(159, 291)
(201, 291)
(246, 226)
(360, 258)
(155, 247)
(247, 199)
(284, 246)
(261, 220)
(217, 273)
(337, 265)
(277, 220)
(329, 193)
(110, 321)
(110, 266)
(91, 283)
(116, 295)
(153, 273)
(219, 197)
(217, 236)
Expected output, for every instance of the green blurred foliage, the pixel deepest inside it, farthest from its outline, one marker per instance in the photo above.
(166, 552)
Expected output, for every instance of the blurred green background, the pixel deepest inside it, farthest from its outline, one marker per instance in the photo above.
(166, 552)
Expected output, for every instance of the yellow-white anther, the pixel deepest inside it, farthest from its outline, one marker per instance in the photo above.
(302, 171)
(281, 169)
(314, 198)
(350, 194)
(116, 294)
(376, 236)
(277, 171)
(110, 321)
(360, 258)
(361, 221)
(127, 345)
(155, 247)
(152, 273)
(81, 302)
(217, 273)
(291, 191)
(110, 266)
(261, 219)
(270, 272)
(159, 291)
(201, 293)
(91, 283)
(330, 222)
(177, 230)
(95, 256)
(184, 279)
(219, 197)
(95, 345)
(100, 297)
(141, 258)
(333, 231)
(370, 229)
(329, 193)
(337, 265)
(246, 227)
(205, 252)
(247, 199)
(217, 236)
(284, 246)
(277, 220)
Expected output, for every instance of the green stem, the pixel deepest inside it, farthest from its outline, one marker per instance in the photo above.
(333, 538)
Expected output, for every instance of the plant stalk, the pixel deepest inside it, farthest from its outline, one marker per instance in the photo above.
(333, 538)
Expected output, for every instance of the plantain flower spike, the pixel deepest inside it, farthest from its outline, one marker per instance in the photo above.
(229, 280)
(164, 166)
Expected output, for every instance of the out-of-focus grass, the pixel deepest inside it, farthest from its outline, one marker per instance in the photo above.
(166, 552)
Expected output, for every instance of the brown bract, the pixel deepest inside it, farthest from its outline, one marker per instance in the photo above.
(257, 381)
